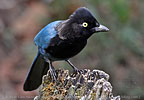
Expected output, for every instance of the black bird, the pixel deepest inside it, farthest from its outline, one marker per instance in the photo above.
(61, 40)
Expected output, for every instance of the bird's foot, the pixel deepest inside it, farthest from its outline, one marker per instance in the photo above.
(76, 70)
(53, 74)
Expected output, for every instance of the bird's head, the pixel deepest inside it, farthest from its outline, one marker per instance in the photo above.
(82, 24)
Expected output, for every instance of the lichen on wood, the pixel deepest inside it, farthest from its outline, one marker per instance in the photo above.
(83, 85)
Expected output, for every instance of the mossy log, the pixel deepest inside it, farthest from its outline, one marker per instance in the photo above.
(83, 85)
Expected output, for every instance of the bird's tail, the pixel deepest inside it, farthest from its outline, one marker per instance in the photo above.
(34, 78)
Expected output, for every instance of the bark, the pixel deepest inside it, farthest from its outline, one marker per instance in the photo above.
(83, 85)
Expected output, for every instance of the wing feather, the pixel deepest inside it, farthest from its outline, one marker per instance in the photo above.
(42, 39)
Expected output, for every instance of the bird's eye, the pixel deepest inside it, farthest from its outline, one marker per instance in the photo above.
(85, 24)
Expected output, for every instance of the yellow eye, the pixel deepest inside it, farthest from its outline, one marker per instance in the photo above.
(85, 24)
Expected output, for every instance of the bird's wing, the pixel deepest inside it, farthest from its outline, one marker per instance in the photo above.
(42, 39)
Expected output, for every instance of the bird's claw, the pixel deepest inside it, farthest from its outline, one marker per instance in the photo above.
(53, 75)
(76, 70)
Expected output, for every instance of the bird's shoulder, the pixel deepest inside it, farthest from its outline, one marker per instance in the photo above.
(42, 39)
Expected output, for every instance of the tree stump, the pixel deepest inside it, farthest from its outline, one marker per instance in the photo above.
(83, 85)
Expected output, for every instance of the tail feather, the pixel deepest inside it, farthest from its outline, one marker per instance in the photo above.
(38, 68)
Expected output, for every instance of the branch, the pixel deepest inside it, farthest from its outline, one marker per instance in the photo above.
(86, 85)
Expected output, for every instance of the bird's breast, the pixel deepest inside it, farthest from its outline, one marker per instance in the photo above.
(65, 49)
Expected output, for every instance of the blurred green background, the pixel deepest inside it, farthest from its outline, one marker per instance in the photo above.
(119, 52)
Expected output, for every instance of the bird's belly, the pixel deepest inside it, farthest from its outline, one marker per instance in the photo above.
(65, 50)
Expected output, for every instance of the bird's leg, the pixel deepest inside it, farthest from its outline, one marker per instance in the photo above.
(52, 70)
(74, 67)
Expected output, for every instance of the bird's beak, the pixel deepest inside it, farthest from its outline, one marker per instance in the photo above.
(101, 28)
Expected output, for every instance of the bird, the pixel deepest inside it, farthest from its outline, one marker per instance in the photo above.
(61, 40)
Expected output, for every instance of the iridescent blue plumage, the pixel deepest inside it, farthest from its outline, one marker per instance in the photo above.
(43, 38)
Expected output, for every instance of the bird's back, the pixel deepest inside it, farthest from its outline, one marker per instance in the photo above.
(42, 39)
